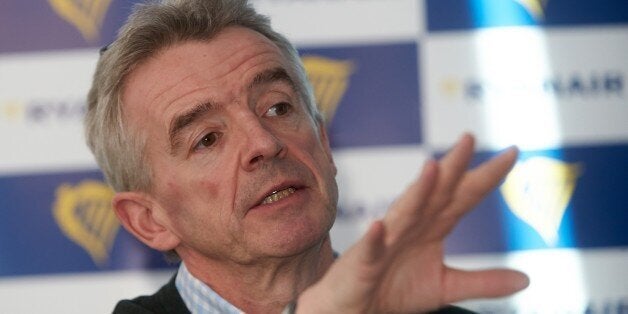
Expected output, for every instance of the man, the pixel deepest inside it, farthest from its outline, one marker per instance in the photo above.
(203, 122)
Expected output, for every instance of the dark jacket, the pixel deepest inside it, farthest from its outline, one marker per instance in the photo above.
(167, 301)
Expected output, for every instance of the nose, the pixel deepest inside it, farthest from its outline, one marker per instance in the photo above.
(260, 144)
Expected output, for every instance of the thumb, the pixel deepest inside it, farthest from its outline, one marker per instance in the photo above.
(461, 285)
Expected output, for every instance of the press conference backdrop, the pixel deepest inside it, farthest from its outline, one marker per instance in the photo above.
(398, 81)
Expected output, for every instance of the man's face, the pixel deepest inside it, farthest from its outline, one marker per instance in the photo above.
(240, 169)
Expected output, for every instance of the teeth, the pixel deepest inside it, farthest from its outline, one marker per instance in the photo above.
(277, 195)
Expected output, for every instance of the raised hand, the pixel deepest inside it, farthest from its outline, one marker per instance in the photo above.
(397, 267)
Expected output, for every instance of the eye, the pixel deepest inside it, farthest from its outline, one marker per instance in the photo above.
(279, 109)
(207, 141)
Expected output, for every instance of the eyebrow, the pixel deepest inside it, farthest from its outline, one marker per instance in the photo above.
(180, 122)
(184, 120)
(271, 76)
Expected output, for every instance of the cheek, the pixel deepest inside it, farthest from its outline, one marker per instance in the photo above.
(197, 195)
(198, 189)
(208, 197)
(193, 208)
(185, 195)
(173, 198)
(315, 156)
(318, 152)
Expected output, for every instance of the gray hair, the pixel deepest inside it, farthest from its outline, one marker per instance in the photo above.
(150, 28)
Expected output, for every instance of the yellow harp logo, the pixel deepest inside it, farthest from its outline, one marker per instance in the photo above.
(85, 216)
(536, 8)
(85, 15)
(538, 191)
(330, 79)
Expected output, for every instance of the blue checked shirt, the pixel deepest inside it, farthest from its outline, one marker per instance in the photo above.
(200, 298)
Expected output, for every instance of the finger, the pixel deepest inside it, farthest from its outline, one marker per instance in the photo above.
(369, 248)
(372, 245)
(462, 285)
(451, 168)
(407, 208)
(460, 153)
(352, 279)
(477, 183)
(368, 254)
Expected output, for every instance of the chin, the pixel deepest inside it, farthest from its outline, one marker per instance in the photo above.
(297, 241)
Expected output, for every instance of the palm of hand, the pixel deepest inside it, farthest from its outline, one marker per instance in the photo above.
(413, 282)
(397, 267)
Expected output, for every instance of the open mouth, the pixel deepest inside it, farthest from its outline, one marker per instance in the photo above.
(278, 195)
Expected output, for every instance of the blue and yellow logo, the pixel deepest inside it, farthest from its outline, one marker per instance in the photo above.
(85, 15)
(84, 214)
(538, 191)
(536, 8)
(330, 80)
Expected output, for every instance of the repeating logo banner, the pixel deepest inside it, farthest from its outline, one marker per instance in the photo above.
(59, 24)
(451, 15)
(369, 94)
(84, 214)
(538, 191)
(63, 222)
(558, 198)
(86, 16)
(330, 79)
(43, 97)
(345, 21)
(537, 89)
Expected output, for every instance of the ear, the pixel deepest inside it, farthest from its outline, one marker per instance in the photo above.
(138, 214)
(322, 131)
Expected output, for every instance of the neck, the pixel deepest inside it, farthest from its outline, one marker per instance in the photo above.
(266, 286)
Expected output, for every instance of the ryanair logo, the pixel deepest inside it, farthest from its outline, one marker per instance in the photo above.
(85, 216)
(536, 8)
(538, 191)
(330, 79)
(560, 85)
(11, 111)
(41, 111)
(85, 15)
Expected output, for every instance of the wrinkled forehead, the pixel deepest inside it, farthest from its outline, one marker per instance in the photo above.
(234, 54)
(222, 52)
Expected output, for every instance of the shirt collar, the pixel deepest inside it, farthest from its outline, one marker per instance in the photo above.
(199, 297)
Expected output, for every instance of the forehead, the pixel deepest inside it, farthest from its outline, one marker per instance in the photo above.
(192, 72)
(232, 49)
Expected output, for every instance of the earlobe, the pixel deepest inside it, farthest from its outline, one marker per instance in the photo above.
(137, 213)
